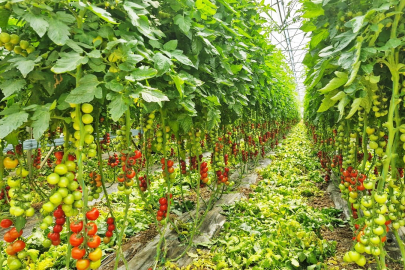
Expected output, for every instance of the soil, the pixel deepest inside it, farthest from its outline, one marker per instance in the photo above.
(133, 245)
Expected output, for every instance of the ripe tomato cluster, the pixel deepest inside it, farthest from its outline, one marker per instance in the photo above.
(113, 161)
(163, 207)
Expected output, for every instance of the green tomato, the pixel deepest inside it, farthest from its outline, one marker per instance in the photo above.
(364, 239)
(368, 184)
(71, 166)
(359, 247)
(47, 243)
(347, 258)
(121, 187)
(48, 220)
(15, 264)
(61, 169)
(380, 197)
(382, 209)
(128, 191)
(22, 254)
(95, 265)
(354, 255)
(30, 212)
(78, 204)
(88, 129)
(375, 240)
(69, 199)
(43, 226)
(73, 185)
(375, 251)
(56, 198)
(77, 195)
(63, 191)
(63, 182)
(48, 207)
(18, 211)
(53, 178)
(66, 208)
(70, 176)
(13, 183)
(380, 220)
(361, 261)
(92, 153)
(96, 196)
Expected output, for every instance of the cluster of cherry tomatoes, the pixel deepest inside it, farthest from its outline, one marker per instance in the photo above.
(162, 212)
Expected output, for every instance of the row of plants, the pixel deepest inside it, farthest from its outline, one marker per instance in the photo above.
(187, 76)
(275, 227)
(354, 110)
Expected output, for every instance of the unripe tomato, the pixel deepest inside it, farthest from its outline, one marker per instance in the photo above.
(83, 264)
(10, 163)
(95, 255)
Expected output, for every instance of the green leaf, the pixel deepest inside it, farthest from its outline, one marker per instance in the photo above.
(189, 106)
(117, 107)
(340, 79)
(344, 40)
(115, 86)
(338, 96)
(4, 16)
(20, 223)
(213, 118)
(10, 87)
(184, 23)
(85, 91)
(41, 120)
(179, 56)
(68, 62)
(24, 64)
(355, 106)
(391, 44)
(327, 101)
(186, 122)
(308, 27)
(321, 35)
(179, 82)
(11, 122)
(341, 106)
(94, 54)
(38, 22)
(367, 68)
(153, 95)
(162, 63)
(312, 10)
(58, 31)
(142, 73)
(214, 99)
(374, 79)
(295, 262)
(170, 46)
(102, 13)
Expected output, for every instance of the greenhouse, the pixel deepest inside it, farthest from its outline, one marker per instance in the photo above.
(202, 134)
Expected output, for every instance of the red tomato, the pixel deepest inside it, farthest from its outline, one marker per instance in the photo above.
(76, 240)
(111, 227)
(94, 242)
(110, 220)
(108, 233)
(18, 245)
(162, 161)
(163, 207)
(78, 253)
(93, 214)
(170, 163)
(56, 242)
(14, 233)
(54, 236)
(91, 228)
(10, 251)
(131, 174)
(57, 228)
(60, 221)
(58, 213)
(8, 238)
(162, 201)
(6, 223)
(76, 227)
(138, 154)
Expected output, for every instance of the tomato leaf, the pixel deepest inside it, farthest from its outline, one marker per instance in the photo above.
(12, 122)
(170, 45)
(142, 73)
(20, 223)
(340, 79)
(58, 31)
(162, 63)
(41, 120)
(38, 22)
(102, 13)
(179, 56)
(4, 16)
(186, 122)
(24, 64)
(10, 87)
(117, 107)
(68, 62)
(312, 10)
(85, 91)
